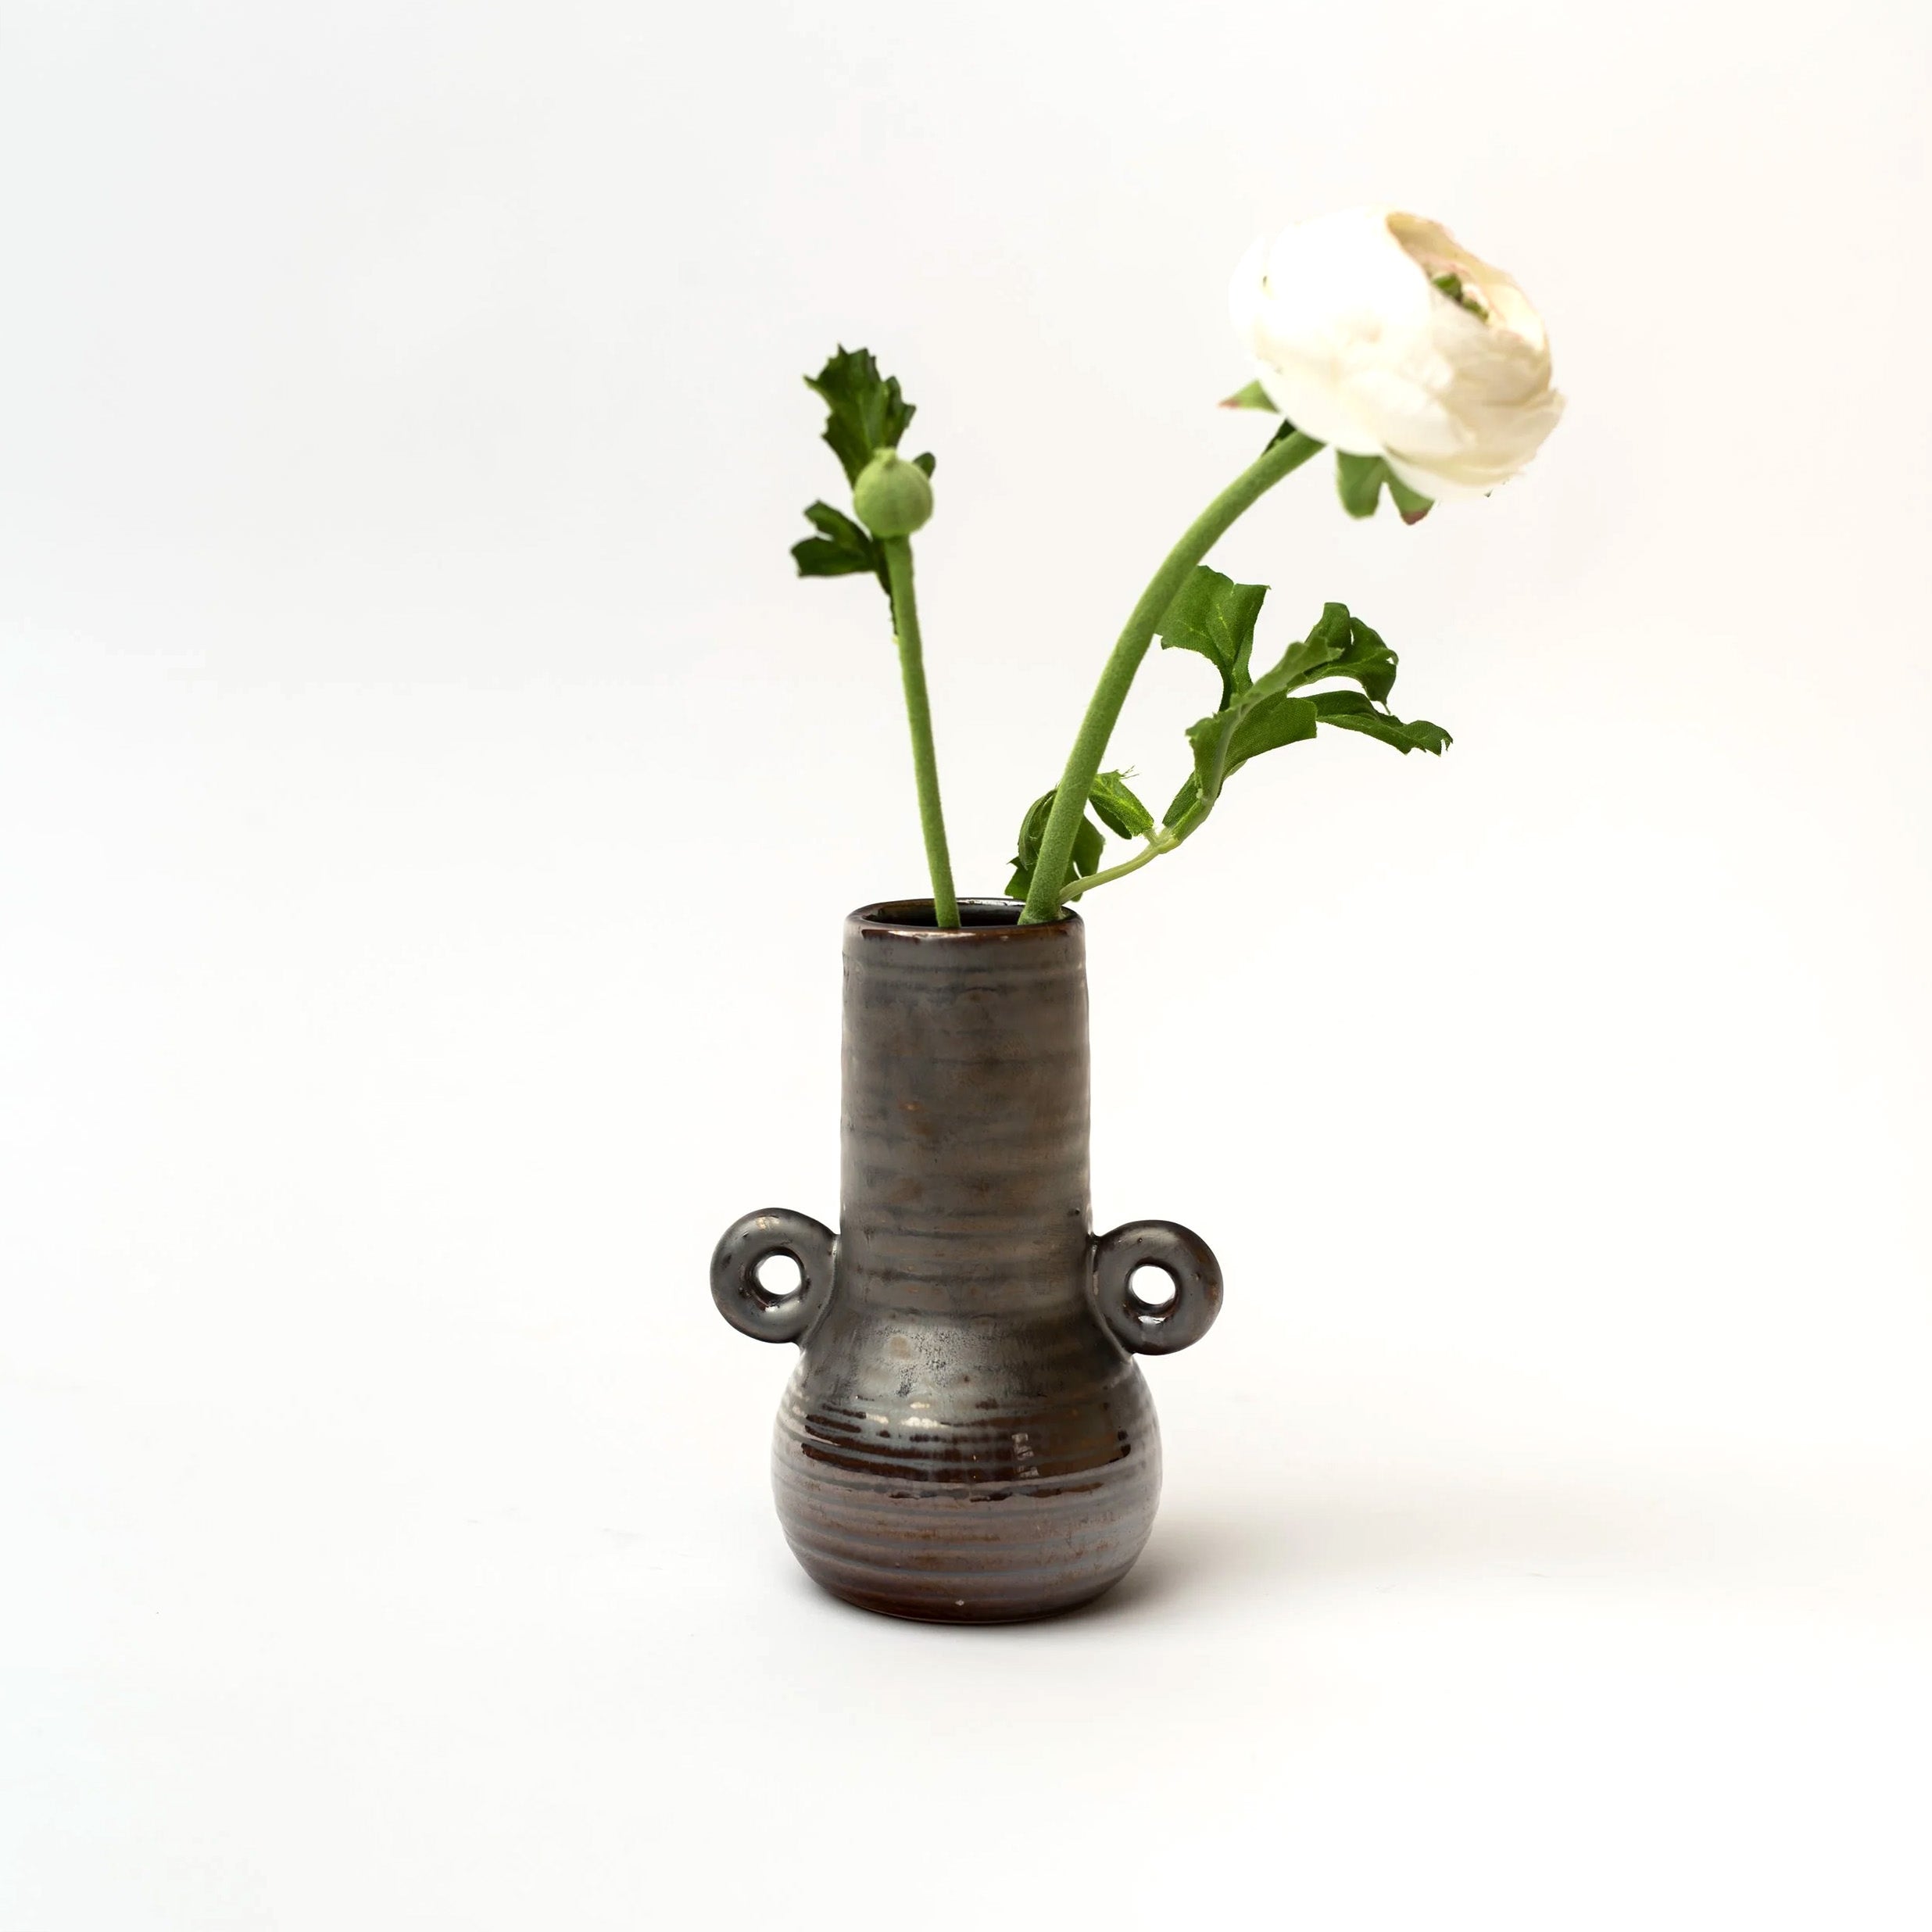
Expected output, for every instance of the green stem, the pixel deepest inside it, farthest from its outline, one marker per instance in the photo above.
(925, 765)
(1083, 762)
(1162, 842)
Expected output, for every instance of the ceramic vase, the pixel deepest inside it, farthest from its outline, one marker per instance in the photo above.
(966, 1437)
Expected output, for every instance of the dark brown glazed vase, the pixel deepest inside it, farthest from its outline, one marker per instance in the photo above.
(966, 1437)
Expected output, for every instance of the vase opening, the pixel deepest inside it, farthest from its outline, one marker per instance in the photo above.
(975, 915)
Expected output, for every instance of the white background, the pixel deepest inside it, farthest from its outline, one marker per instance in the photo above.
(428, 802)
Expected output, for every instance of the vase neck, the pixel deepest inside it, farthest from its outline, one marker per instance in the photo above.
(965, 1112)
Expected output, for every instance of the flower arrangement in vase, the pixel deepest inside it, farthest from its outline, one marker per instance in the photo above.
(966, 1437)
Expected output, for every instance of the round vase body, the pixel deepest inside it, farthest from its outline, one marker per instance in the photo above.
(966, 1437)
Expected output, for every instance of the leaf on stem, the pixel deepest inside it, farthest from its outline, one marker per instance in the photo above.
(841, 549)
(1118, 809)
(1089, 843)
(866, 411)
(1302, 662)
(1269, 725)
(1367, 661)
(1339, 646)
(1184, 800)
(1269, 713)
(1215, 616)
(1351, 711)
(1225, 742)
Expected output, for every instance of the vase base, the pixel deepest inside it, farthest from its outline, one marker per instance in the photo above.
(914, 1606)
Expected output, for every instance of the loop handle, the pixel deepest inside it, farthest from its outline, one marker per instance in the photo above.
(1147, 1328)
(750, 1307)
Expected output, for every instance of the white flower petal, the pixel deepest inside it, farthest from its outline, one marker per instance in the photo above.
(1377, 332)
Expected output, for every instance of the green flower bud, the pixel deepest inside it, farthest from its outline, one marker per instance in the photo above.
(892, 497)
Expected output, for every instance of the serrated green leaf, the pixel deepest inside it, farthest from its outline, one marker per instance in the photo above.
(836, 525)
(1339, 646)
(817, 557)
(1215, 616)
(1330, 705)
(1367, 660)
(1353, 713)
(1269, 725)
(1335, 626)
(1207, 738)
(1249, 396)
(1302, 662)
(1269, 713)
(1225, 742)
(866, 410)
(1359, 480)
(1256, 714)
(1118, 809)
(841, 549)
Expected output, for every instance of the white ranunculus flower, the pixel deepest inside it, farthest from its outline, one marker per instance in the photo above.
(1377, 332)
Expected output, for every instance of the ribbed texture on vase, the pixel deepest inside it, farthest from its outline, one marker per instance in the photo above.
(964, 1175)
(979, 1509)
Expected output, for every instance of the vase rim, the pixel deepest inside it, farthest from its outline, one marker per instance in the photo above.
(982, 921)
